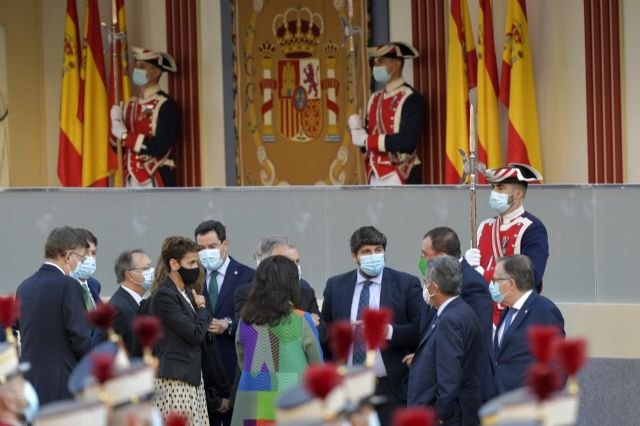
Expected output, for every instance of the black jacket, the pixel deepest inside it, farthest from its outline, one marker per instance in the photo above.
(126, 309)
(185, 329)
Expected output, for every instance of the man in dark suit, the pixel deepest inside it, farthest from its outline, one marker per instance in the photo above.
(513, 286)
(443, 370)
(224, 276)
(375, 286)
(53, 330)
(281, 245)
(134, 274)
(84, 271)
(475, 293)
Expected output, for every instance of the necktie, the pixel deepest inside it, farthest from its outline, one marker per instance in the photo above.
(88, 300)
(507, 322)
(213, 290)
(359, 344)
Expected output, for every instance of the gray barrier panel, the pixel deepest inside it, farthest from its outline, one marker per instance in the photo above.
(592, 231)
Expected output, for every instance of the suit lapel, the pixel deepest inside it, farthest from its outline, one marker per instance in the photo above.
(430, 330)
(519, 319)
(386, 294)
(228, 283)
(183, 301)
(345, 296)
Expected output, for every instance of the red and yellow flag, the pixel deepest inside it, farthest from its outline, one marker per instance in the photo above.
(70, 139)
(119, 64)
(517, 91)
(95, 146)
(462, 65)
(489, 148)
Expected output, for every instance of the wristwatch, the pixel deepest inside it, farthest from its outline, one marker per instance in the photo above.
(229, 324)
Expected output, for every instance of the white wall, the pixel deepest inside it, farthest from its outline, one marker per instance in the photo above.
(630, 89)
(400, 29)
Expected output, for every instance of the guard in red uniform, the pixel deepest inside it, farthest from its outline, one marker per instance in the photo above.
(513, 231)
(148, 126)
(395, 118)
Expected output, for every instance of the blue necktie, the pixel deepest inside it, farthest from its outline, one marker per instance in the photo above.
(507, 322)
(359, 344)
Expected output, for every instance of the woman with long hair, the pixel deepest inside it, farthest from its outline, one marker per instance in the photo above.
(275, 342)
(185, 318)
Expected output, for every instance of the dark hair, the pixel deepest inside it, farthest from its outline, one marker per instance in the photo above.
(367, 236)
(276, 287)
(211, 225)
(520, 268)
(176, 248)
(63, 239)
(124, 263)
(446, 272)
(444, 240)
(89, 236)
(159, 277)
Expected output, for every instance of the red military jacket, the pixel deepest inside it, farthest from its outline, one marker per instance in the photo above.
(394, 121)
(517, 233)
(152, 121)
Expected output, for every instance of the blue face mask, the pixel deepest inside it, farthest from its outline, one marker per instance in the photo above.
(380, 74)
(30, 410)
(494, 289)
(499, 202)
(372, 264)
(148, 278)
(85, 269)
(210, 259)
(140, 77)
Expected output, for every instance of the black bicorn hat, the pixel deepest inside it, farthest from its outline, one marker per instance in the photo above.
(394, 49)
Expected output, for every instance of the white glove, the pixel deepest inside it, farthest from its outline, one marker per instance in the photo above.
(116, 113)
(117, 125)
(359, 137)
(472, 256)
(355, 122)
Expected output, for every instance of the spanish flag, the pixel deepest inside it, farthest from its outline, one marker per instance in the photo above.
(118, 74)
(462, 65)
(489, 148)
(95, 113)
(517, 91)
(70, 138)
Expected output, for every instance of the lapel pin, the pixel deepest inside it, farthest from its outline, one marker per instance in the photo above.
(235, 272)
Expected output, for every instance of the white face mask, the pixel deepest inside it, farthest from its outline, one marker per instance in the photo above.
(85, 269)
(30, 410)
(499, 202)
(211, 259)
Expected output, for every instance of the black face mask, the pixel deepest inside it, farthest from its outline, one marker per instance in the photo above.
(189, 276)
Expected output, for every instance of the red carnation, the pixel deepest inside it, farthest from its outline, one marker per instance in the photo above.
(375, 323)
(102, 367)
(320, 380)
(340, 339)
(572, 355)
(416, 416)
(543, 380)
(102, 316)
(175, 419)
(148, 330)
(541, 339)
(9, 310)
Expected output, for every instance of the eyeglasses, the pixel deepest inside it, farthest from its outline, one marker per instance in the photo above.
(82, 258)
(257, 256)
(501, 279)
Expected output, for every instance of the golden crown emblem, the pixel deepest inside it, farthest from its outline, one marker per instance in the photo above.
(267, 49)
(298, 31)
(331, 49)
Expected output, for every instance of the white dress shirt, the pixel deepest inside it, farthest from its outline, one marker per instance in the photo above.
(518, 305)
(222, 270)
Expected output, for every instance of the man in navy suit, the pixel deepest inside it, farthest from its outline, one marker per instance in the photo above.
(224, 276)
(281, 245)
(475, 293)
(134, 274)
(443, 370)
(84, 272)
(53, 330)
(372, 285)
(514, 286)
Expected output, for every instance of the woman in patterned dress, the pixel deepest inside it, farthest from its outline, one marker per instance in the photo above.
(185, 318)
(275, 342)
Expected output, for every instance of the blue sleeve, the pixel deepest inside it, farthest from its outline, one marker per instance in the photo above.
(449, 372)
(535, 245)
(307, 317)
(411, 122)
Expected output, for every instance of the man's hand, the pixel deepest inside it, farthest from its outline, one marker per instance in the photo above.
(408, 359)
(316, 319)
(218, 326)
(355, 122)
(358, 137)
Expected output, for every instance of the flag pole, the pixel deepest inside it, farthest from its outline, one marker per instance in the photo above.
(473, 175)
(115, 58)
